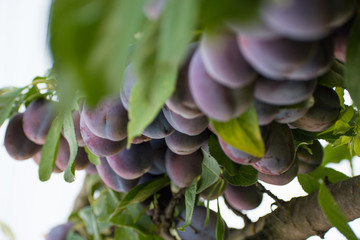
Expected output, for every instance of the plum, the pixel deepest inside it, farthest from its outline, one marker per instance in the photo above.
(132, 163)
(63, 155)
(158, 128)
(280, 154)
(181, 101)
(59, 232)
(214, 99)
(17, 145)
(323, 113)
(283, 58)
(283, 92)
(37, 119)
(183, 144)
(197, 229)
(223, 59)
(243, 197)
(111, 179)
(265, 112)
(107, 120)
(309, 161)
(307, 19)
(288, 115)
(97, 145)
(191, 127)
(183, 169)
(236, 155)
(281, 179)
(159, 148)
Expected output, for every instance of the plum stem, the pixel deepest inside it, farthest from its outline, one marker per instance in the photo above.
(164, 218)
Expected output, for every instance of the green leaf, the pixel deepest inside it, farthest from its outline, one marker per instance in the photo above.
(92, 157)
(150, 237)
(217, 152)
(50, 149)
(338, 67)
(331, 79)
(341, 126)
(32, 94)
(69, 134)
(356, 145)
(105, 204)
(7, 231)
(342, 140)
(142, 192)
(93, 183)
(215, 13)
(90, 221)
(310, 182)
(333, 213)
(335, 154)
(352, 70)
(332, 175)
(132, 217)
(245, 175)
(156, 62)
(73, 236)
(242, 133)
(141, 219)
(190, 196)
(210, 172)
(7, 99)
(125, 233)
(340, 92)
(220, 226)
(89, 43)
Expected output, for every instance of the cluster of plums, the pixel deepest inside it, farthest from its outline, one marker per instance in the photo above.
(272, 62)
(26, 134)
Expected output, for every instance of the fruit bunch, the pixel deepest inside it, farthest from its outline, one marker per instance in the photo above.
(26, 134)
(271, 64)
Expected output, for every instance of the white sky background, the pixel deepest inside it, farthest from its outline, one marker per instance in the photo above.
(30, 207)
(27, 205)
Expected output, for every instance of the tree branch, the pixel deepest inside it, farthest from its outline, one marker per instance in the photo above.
(302, 217)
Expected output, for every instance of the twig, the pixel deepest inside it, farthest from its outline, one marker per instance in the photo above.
(278, 201)
(168, 216)
(169, 211)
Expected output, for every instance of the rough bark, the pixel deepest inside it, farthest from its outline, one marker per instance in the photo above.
(302, 217)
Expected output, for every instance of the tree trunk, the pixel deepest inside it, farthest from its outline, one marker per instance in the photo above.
(302, 217)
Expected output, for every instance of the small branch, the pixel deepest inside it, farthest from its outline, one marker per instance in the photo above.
(278, 201)
(169, 211)
(164, 218)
